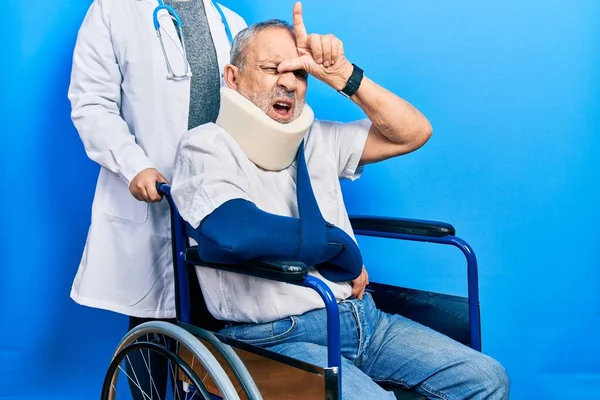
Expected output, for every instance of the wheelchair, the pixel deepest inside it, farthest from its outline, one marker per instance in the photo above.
(202, 364)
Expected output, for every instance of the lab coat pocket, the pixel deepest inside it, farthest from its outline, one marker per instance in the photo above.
(118, 202)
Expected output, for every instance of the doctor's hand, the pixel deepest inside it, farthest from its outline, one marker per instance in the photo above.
(322, 56)
(359, 284)
(143, 185)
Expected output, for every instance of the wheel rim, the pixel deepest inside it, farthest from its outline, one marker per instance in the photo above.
(177, 369)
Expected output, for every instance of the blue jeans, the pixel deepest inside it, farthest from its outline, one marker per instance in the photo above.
(385, 348)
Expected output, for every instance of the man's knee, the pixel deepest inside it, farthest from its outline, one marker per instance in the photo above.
(492, 378)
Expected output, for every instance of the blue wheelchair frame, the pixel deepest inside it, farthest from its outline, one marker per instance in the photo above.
(394, 228)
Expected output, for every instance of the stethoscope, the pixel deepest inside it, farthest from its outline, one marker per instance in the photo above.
(179, 27)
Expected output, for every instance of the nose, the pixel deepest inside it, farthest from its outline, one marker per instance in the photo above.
(288, 81)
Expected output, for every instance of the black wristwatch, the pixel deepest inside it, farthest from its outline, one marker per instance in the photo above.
(353, 82)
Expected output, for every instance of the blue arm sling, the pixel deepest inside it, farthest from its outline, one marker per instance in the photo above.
(238, 231)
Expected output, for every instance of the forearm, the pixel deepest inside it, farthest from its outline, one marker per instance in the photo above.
(397, 127)
(392, 116)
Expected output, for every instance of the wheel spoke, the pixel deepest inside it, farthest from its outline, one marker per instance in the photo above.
(135, 383)
(150, 375)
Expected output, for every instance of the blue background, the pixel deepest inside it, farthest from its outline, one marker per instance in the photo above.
(512, 90)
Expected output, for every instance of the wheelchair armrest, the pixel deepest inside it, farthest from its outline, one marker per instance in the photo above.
(268, 268)
(402, 225)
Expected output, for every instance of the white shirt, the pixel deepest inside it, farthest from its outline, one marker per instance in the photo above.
(211, 168)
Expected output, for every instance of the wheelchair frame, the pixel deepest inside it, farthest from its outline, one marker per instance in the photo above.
(295, 272)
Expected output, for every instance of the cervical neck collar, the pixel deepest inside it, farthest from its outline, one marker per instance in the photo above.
(267, 143)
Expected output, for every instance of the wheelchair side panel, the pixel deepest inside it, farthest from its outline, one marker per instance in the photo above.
(276, 380)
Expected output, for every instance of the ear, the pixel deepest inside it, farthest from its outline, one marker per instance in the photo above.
(231, 74)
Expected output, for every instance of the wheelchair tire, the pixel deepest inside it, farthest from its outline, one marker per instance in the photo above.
(134, 341)
(235, 364)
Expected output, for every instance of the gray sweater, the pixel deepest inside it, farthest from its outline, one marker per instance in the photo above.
(202, 56)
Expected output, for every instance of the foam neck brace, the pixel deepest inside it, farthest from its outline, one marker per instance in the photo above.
(267, 143)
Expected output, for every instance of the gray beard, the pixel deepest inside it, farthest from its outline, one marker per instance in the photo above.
(264, 103)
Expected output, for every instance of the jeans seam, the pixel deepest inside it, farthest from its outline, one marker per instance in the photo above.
(359, 313)
(273, 337)
(432, 391)
(359, 332)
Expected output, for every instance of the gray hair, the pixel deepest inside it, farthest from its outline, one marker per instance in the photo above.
(245, 36)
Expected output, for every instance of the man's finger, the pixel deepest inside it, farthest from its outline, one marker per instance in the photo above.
(359, 291)
(160, 178)
(299, 28)
(359, 285)
(144, 194)
(316, 48)
(293, 64)
(137, 196)
(134, 191)
(326, 45)
(335, 50)
(152, 193)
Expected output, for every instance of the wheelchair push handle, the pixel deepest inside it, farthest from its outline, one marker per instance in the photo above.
(163, 188)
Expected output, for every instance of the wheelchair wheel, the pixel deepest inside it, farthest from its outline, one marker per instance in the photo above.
(157, 340)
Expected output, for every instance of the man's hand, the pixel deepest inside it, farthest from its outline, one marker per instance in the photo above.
(322, 56)
(143, 185)
(359, 284)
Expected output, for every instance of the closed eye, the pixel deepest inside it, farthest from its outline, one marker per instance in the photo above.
(270, 70)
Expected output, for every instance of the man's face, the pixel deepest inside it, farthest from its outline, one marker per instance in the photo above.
(279, 95)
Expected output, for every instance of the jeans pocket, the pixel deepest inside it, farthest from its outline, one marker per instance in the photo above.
(263, 334)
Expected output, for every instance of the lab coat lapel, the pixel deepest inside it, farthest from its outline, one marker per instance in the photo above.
(219, 35)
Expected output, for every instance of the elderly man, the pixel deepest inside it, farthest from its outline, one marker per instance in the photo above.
(239, 181)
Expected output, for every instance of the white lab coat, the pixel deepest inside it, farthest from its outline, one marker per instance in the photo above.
(130, 117)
